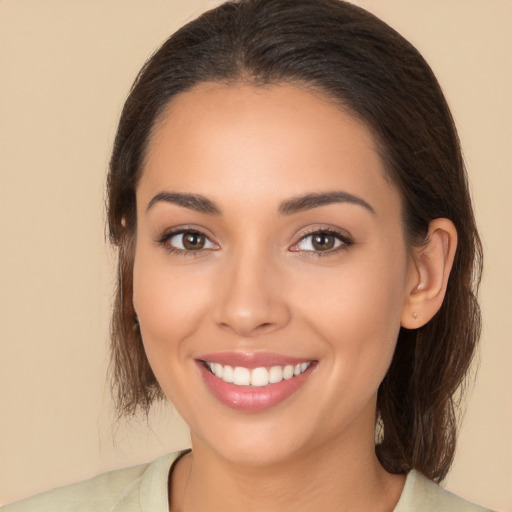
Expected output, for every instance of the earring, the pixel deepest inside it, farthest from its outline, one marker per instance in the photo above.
(379, 430)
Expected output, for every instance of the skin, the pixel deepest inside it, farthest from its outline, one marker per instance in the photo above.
(258, 285)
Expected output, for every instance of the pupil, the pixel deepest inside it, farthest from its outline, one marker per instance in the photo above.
(323, 242)
(193, 241)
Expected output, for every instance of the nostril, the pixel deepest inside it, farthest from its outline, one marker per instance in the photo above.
(247, 330)
(264, 327)
(248, 309)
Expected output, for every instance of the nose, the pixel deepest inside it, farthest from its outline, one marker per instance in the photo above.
(251, 297)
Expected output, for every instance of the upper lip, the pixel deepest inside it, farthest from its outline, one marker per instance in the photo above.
(253, 360)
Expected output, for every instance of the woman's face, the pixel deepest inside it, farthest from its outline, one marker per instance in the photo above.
(269, 242)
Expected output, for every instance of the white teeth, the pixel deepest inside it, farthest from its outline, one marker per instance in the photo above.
(257, 377)
(227, 374)
(275, 374)
(217, 369)
(241, 376)
(288, 372)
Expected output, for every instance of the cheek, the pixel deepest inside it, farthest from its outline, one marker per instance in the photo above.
(170, 303)
(367, 294)
(356, 310)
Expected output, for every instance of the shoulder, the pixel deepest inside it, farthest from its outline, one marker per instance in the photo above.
(133, 489)
(422, 495)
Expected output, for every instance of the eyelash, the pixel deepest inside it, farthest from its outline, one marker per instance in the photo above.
(164, 239)
(343, 238)
(345, 242)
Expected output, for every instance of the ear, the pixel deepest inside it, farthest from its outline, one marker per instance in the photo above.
(431, 264)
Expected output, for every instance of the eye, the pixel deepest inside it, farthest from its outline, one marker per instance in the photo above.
(322, 241)
(187, 241)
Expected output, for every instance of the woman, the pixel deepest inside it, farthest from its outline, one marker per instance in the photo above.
(297, 266)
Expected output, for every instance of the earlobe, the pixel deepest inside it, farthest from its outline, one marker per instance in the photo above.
(430, 269)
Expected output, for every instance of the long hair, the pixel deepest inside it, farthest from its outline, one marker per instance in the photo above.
(370, 71)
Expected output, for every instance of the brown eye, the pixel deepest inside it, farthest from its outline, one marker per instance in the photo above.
(193, 241)
(187, 241)
(323, 241)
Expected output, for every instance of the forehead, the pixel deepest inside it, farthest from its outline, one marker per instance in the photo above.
(248, 142)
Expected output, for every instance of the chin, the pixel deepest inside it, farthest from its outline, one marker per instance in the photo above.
(252, 443)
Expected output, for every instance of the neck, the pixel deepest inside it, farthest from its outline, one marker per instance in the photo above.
(328, 478)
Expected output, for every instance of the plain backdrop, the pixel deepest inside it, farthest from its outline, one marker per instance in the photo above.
(65, 69)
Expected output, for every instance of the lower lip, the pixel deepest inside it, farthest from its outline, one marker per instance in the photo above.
(252, 398)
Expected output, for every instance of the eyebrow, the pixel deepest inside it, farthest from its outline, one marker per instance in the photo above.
(309, 201)
(195, 202)
(297, 204)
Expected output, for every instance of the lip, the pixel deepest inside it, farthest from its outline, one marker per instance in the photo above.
(249, 398)
(252, 360)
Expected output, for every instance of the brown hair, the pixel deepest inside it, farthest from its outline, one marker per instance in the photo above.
(375, 74)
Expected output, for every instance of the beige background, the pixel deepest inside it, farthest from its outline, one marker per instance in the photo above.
(65, 68)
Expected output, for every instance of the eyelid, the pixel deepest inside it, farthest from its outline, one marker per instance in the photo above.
(167, 235)
(341, 235)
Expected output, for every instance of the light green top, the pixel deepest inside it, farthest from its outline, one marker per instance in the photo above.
(143, 488)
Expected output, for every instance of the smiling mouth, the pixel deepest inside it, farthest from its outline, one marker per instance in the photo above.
(256, 377)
